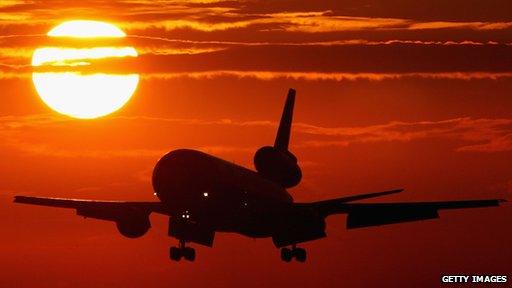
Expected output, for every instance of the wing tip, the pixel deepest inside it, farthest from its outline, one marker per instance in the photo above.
(25, 199)
(393, 191)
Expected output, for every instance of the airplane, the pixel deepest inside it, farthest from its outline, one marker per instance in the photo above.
(203, 195)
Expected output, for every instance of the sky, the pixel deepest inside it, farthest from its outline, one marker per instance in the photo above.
(412, 94)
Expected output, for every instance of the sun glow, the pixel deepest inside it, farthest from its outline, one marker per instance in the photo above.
(86, 29)
(83, 95)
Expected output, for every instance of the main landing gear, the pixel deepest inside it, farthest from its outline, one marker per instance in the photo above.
(175, 253)
(288, 254)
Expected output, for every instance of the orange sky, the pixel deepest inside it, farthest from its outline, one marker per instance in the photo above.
(413, 94)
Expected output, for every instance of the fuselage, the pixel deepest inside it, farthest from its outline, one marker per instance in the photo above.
(225, 196)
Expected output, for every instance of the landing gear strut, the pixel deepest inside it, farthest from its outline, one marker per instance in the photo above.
(175, 253)
(288, 254)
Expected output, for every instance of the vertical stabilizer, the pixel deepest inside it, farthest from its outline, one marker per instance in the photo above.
(277, 163)
(283, 133)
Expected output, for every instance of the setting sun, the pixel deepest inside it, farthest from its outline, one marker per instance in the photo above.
(74, 93)
(86, 29)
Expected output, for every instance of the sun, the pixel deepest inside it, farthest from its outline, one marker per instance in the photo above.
(70, 91)
(86, 29)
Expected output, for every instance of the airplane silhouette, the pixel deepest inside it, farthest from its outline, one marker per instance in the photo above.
(203, 195)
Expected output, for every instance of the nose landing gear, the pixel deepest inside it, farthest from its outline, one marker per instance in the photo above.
(288, 254)
(176, 253)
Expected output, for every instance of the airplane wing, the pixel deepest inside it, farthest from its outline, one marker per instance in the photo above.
(373, 214)
(356, 197)
(105, 210)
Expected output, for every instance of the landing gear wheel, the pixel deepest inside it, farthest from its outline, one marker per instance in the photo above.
(286, 254)
(189, 253)
(299, 254)
(175, 253)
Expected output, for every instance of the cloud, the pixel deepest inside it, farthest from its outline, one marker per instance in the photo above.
(326, 60)
(490, 135)
(10, 3)
(470, 135)
(496, 144)
(313, 43)
(311, 22)
(25, 72)
(26, 134)
(20, 47)
(210, 16)
(345, 59)
(305, 34)
(394, 58)
(44, 150)
(461, 25)
(319, 76)
(308, 22)
(13, 74)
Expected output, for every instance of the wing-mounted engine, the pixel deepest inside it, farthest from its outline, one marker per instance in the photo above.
(278, 166)
(276, 163)
(131, 222)
(131, 218)
(134, 224)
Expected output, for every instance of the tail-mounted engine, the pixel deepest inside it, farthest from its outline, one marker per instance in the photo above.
(277, 163)
(278, 166)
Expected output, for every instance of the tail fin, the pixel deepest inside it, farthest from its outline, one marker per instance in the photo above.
(283, 133)
(277, 163)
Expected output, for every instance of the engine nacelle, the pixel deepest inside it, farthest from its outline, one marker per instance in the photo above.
(134, 225)
(278, 166)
